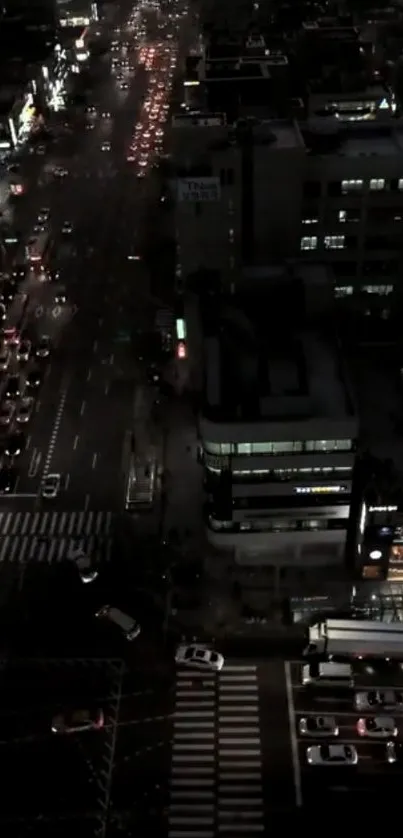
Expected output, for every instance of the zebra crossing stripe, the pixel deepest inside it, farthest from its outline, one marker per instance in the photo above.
(55, 523)
(21, 549)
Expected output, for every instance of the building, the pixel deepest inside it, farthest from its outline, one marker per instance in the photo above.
(278, 427)
(270, 190)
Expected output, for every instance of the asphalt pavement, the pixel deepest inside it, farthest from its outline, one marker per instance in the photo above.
(346, 789)
(85, 406)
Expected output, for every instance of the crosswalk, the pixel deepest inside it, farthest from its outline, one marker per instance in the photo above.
(51, 536)
(216, 769)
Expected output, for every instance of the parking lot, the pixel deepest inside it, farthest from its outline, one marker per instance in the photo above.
(53, 778)
(352, 785)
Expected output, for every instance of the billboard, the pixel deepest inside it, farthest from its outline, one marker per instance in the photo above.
(199, 190)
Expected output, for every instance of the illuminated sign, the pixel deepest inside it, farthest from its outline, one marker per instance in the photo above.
(383, 508)
(181, 351)
(191, 83)
(375, 555)
(363, 518)
(74, 21)
(180, 329)
(319, 490)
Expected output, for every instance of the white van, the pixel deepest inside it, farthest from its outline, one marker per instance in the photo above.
(127, 624)
(327, 675)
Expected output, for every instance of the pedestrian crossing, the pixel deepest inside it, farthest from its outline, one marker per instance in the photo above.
(55, 523)
(216, 769)
(52, 536)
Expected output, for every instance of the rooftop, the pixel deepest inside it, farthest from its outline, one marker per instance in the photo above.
(258, 368)
(357, 140)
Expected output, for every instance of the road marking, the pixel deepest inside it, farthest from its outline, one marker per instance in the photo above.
(55, 431)
(66, 482)
(89, 374)
(75, 443)
(94, 461)
(293, 736)
(95, 345)
(82, 409)
(87, 502)
(106, 388)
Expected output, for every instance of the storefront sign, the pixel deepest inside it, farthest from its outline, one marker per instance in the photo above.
(199, 190)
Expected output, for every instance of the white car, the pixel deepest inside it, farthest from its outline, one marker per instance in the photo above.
(373, 699)
(3, 312)
(50, 486)
(318, 726)
(84, 566)
(67, 227)
(378, 727)
(394, 752)
(199, 656)
(105, 147)
(332, 755)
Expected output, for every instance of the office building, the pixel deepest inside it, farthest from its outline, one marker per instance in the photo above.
(278, 425)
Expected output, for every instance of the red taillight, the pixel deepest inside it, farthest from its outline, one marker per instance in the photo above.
(181, 350)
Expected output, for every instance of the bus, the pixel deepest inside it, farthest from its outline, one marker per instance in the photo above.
(141, 485)
(36, 251)
(356, 639)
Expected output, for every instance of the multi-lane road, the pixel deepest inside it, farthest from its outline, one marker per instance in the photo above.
(84, 410)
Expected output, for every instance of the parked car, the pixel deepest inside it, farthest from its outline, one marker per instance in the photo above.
(199, 657)
(332, 755)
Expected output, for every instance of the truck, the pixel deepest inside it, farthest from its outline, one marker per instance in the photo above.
(355, 639)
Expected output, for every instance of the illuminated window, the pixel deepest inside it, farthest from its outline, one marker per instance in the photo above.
(382, 290)
(309, 242)
(310, 220)
(343, 290)
(353, 185)
(376, 184)
(335, 242)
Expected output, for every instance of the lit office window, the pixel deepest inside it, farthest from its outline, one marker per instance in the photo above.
(309, 242)
(353, 185)
(381, 290)
(310, 220)
(376, 184)
(343, 290)
(335, 242)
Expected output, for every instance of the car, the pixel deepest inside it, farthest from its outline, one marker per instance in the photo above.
(127, 624)
(318, 726)
(3, 312)
(123, 85)
(43, 215)
(199, 656)
(61, 297)
(78, 721)
(50, 486)
(106, 115)
(6, 413)
(394, 752)
(90, 109)
(14, 444)
(43, 348)
(9, 288)
(373, 699)
(24, 411)
(34, 379)
(24, 350)
(7, 480)
(38, 228)
(19, 273)
(378, 727)
(84, 566)
(89, 126)
(331, 755)
(11, 336)
(67, 228)
(105, 147)
(60, 171)
(41, 149)
(53, 275)
(13, 387)
(5, 356)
